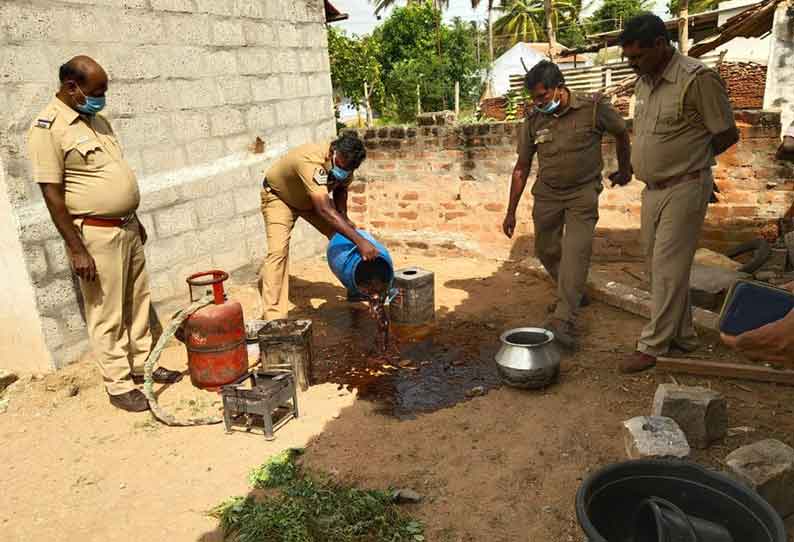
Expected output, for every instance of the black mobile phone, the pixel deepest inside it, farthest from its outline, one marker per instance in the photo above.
(750, 305)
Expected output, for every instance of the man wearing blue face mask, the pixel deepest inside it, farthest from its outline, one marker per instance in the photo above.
(309, 182)
(565, 129)
(92, 195)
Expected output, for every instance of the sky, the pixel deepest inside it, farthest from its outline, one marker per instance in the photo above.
(362, 13)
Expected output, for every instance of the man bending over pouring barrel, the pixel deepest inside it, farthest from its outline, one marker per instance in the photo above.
(309, 182)
(565, 129)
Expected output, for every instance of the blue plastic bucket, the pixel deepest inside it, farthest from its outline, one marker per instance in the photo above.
(346, 263)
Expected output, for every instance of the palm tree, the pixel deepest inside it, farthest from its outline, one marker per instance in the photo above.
(525, 20)
(491, 4)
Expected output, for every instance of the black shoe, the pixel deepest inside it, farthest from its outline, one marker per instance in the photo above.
(161, 375)
(132, 401)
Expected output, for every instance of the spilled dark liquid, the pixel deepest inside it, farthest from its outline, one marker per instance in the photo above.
(372, 279)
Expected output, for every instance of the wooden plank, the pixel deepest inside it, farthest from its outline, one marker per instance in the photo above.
(725, 370)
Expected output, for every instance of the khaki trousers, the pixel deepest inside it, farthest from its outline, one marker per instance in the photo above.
(672, 220)
(564, 225)
(280, 219)
(117, 303)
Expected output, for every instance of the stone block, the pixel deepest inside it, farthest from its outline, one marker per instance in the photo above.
(184, 6)
(216, 237)
(6, 379)
(205, 150)
(175, 220)
(142, 98)
(253, 9)
(37, 262)
(158, 199)
(236, 90)
(700, 412)
(215, 7)
(227, 32)
(284, 60)
(255, 61)
(260, 118)
(143, 130)
(182, 61)
(259, 33)
(221, 63)
(29, 23)
(289, 35)
(74, 322)
(234, 257)
(165, 253)
(226, 121)
(162, 287)
(311, 60)
(246, 200)
(212, 210)
(266, 89)
(190, 125)
(57, 257)
(238, 143)
(162, 158)
(52, 335)
(289, 113)
(39, 228)
(25, 64)
(136, 27)
(654, 437)
(55, 294)
(768, 467)
(187, 29)
(294, 85)
(708, 285)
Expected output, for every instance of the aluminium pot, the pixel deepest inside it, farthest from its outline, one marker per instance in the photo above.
(528, 358)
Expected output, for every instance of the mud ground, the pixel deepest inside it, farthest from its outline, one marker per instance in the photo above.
(503, 466)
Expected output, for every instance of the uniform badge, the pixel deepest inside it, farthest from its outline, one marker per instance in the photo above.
(44, 123)
(321, 176)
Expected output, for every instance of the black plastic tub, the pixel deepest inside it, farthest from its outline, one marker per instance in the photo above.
(607, 499)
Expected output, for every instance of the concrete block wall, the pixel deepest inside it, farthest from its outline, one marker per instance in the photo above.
(445, 189)
(193, 84)
(778, 95)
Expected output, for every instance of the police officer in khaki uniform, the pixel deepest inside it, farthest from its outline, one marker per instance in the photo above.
(92, 195)
(310, 182)
(565, 129)
(682, 120)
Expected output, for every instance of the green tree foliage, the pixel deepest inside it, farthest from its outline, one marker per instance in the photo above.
(695, 6)
(355, 61)
(410, 40)
(525, 20)
(613, 13)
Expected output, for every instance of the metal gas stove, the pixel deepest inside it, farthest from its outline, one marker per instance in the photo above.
(260, 393)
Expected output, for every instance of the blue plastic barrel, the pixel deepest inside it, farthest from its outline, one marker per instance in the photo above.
(346, 263)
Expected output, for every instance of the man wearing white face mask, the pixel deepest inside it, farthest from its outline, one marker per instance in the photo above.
(92, 195)
(565, 129)
(309, 182)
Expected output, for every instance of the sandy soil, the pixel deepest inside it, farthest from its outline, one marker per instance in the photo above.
(503, 466)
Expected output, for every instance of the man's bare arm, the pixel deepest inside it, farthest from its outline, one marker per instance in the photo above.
(517, 186)
(322, 206)
(82, 262)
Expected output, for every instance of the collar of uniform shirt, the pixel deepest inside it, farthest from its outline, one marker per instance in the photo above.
(574, 102)
(670, 72)
(69, 114)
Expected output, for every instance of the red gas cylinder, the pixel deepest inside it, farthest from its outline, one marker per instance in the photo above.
(215, 336)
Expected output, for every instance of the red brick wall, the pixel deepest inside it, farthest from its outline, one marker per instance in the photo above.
(444, 189)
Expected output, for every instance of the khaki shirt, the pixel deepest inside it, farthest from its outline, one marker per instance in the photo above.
(301, 172)
(675, 119)
(568, 143)
(83, 154)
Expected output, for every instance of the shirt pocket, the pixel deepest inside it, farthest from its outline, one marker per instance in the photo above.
(668, 120)
(86, 153)
(547, 142)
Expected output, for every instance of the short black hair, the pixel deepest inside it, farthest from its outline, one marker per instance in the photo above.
(72, 71)
(644, 29)
(546, 73)
(351, 147)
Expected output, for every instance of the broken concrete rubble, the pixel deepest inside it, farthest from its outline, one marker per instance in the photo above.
(708, 285)
(6, 379)
(654, 437)
(768, 467)
(702, 414)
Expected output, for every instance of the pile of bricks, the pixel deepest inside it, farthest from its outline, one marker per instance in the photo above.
(745, 82)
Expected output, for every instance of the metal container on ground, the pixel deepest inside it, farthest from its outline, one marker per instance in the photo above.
(415, 302)
(286, 345)
(528, 358)
(215, 336)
